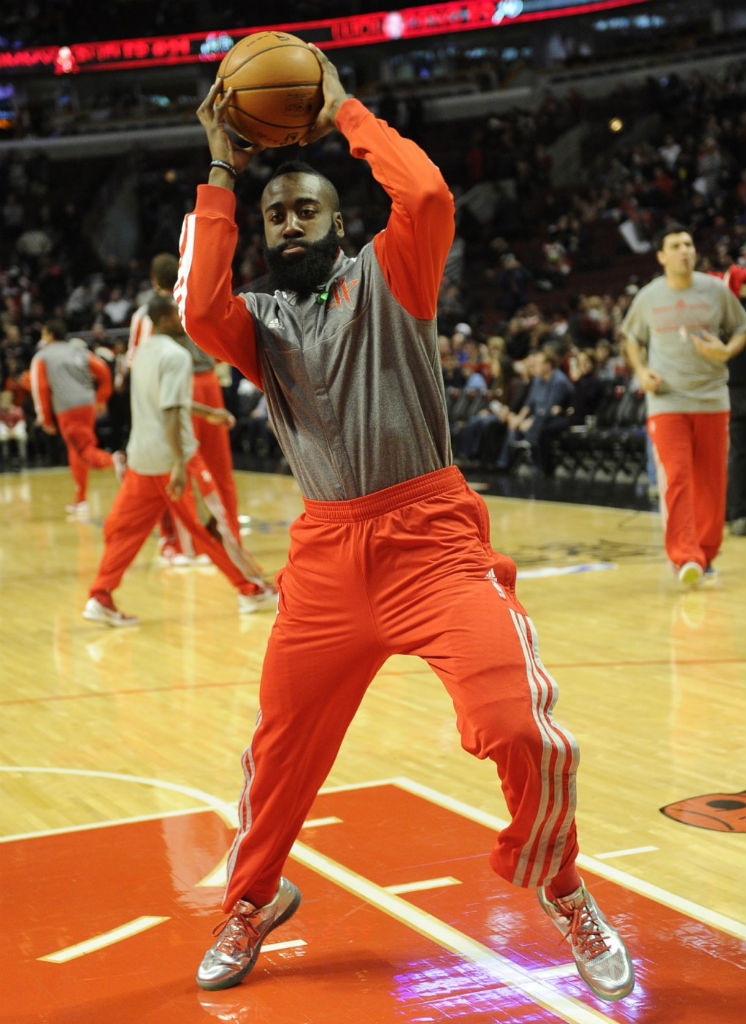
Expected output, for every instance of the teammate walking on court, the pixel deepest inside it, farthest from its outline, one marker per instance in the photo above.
(679, 318)
(71, 384)
(163, 463)
(392, 545)
(213, 440)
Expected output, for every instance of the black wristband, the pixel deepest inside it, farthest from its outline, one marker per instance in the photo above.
(226, 166)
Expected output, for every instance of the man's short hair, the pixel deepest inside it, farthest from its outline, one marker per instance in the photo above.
(164, 269)
(670, 229)
(301, 167)
(160, 306)
(57, 328)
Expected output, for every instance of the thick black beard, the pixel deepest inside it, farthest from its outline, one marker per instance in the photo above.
(306, 273)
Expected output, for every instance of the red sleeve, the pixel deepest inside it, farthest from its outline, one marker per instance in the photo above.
(213, 317)
(41, 392)
(141, 327)
(413, 248)
(102, 377)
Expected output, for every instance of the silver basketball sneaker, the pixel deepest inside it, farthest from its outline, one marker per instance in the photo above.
(232, 956)
(599, 952)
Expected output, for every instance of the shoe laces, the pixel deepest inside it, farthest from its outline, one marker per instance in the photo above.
(584, 931)
(238, 928)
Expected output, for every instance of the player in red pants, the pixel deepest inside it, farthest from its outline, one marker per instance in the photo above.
(392, 553)
(672, 334)
(175, 545)
(164, 464)
(71, 384)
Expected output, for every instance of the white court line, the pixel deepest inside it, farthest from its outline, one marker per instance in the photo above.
(317, 822)
(499, 968)
(110, 823)
(124, 931)
(625, 853)
(274, 947)
(228, 812)
(426, 883)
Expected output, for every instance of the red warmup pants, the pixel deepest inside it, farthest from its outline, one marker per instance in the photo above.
(406, 570)
(215, 449)
(215, 445)
(135, 511)
(77, 427)
(691, 454)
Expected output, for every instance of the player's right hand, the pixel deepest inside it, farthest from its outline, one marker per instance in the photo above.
(211, 114)
(649, 380)
(177, 481)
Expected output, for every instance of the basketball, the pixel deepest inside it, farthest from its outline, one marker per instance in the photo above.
(277, 94)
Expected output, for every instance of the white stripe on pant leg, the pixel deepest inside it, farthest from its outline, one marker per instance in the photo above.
(568, 743)
(537, 699)
(244, 806)
(553, 739)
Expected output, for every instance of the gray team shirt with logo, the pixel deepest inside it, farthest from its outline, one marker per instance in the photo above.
(353, 383)
(160, 379)
(691, 383)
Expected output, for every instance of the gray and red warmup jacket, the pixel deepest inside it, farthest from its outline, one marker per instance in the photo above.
(353, 381)
(65, 375)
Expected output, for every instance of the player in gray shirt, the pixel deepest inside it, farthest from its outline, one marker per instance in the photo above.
(679, 333)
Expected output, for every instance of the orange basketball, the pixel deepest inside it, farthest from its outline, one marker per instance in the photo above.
(277, 88)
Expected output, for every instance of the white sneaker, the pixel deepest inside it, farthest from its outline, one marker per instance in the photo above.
(248, 603)
(169, 555)
(77, 508)
(690, 573)
(599, 952)
(98, 612)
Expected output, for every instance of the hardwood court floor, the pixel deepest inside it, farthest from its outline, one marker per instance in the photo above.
(119, 772)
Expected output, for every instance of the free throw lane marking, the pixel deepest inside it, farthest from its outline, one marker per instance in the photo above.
(124, 931)
(626, 853)
(426, 883)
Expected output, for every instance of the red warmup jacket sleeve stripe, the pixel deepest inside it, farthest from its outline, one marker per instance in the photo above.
(412, 250)
(140, 328)
(213, 317)
(41, 392)
(102, 377)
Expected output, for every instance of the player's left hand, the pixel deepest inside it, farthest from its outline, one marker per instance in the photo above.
(709, 346)
(334, 97)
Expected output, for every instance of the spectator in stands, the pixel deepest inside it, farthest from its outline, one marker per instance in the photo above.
(117, 308)
(588, 387)
(511, 283)
(544, 415)
(12, 428)
(609, 364)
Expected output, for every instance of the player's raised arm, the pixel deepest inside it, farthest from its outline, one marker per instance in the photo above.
(216, 319)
